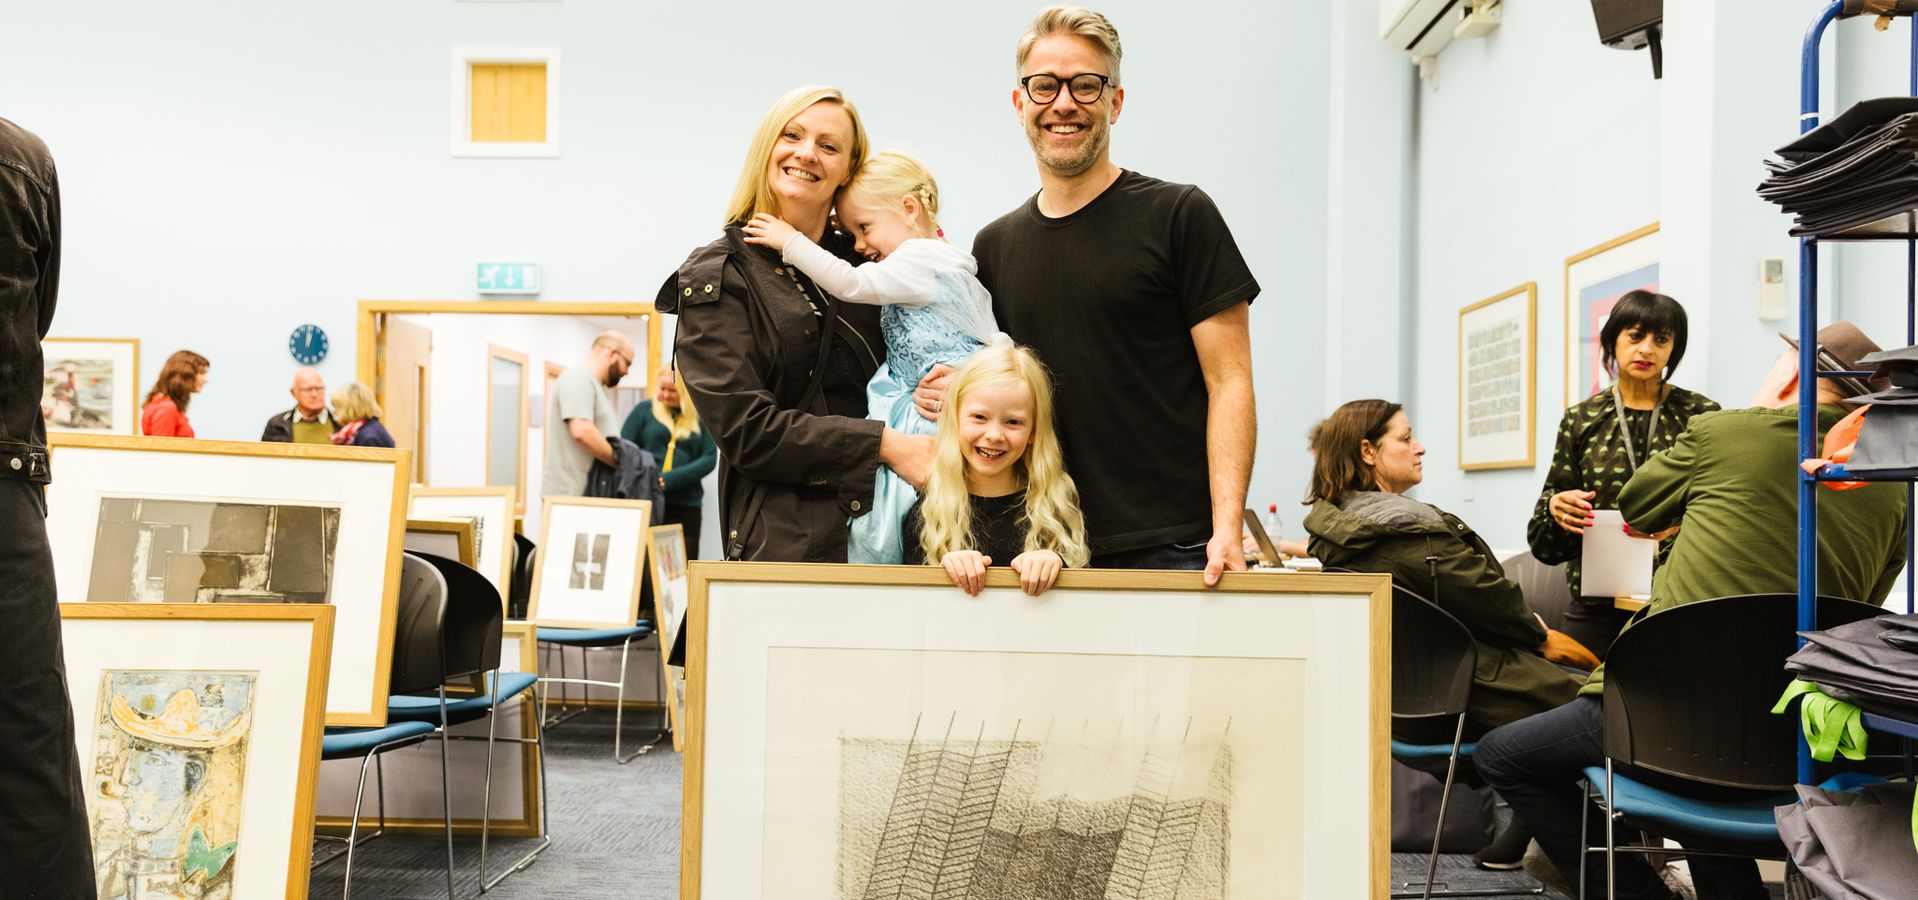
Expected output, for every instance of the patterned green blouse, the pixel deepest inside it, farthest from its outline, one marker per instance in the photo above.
(1591, 456)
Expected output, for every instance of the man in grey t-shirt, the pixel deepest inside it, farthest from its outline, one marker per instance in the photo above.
(579, 416)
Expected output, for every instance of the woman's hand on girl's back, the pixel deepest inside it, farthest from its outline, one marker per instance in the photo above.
(967, 569)
(768, 230)
(1037, 569)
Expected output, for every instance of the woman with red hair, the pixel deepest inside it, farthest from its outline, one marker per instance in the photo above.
(164, 414)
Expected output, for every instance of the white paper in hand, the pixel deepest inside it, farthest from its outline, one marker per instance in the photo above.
(1613, 563)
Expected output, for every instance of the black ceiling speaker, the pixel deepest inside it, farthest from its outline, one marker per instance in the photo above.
(1631, 24)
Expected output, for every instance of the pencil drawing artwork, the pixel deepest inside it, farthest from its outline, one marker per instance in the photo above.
(1072, 812)
(212, 551)
(165, 787)
(589, 561)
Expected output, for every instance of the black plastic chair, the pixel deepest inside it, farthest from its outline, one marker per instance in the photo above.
(1433, 660)
(519, 589)
(473, 631)
(1688, 699)
(1544, 587)
(418, 665)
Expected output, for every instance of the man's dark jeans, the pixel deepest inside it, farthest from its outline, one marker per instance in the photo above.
(1536, 763)
(45, 851)
(1163, 556)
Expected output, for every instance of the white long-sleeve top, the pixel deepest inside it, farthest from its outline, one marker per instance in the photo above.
(905, 277)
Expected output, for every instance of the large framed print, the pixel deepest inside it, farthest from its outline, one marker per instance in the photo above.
(1498, 380)
(853, 728)
(91, 385)
(591, 554)
(491, 509)
(666, 545)
(148, 520)
(1594, 280)
(198, 729)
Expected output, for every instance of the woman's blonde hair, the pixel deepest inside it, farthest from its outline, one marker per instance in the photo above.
(1052, 518)
(891, 176)
(687, 421)
(753, 194)
(353, 402)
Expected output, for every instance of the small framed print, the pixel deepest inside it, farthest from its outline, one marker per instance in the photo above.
(667, 547)
(447, 538)
(492, 511)
(591, 551)
(1498, 381)
(92, 385)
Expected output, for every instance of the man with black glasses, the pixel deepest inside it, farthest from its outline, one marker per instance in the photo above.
(1133, 292)
(45, 851)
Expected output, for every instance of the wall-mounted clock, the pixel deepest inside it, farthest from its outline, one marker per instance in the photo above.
(308, 344)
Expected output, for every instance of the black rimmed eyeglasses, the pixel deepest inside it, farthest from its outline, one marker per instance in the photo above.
(1044, 88)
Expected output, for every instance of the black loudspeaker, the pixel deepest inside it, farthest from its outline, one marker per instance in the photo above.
(1627, 24)
(1632, 24)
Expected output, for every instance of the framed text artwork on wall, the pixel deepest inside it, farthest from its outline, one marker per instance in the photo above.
(172, 520)
(92, 385)
(1594, 280)
(198, 729)
(855, 728)
(1498, 380)
(591, 554)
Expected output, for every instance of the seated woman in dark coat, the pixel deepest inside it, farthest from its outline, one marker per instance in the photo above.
(1362, 520)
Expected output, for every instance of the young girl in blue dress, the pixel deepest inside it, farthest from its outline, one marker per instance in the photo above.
(935, 309)
(998, 493)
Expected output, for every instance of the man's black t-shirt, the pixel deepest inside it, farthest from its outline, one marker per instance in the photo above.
(1107, 297)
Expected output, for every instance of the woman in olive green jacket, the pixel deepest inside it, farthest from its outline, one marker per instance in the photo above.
(1362, 520)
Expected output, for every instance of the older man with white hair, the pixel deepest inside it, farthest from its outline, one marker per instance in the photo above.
(309, 421)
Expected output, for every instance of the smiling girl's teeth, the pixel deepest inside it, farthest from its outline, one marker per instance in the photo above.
(989, 454)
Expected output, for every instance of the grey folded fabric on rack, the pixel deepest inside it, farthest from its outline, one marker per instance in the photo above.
(1853, 845)
(1869, 664)
(1856, 172)
(1888, 441)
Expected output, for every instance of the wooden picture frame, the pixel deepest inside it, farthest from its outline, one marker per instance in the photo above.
(495, 353)
(494, 506)
(75, 371)
(115, 523)
(1498, 381)
(173, 672)
(604, 594)
(666, 550)
(1594, 280)
(789, 666)
(440, 535)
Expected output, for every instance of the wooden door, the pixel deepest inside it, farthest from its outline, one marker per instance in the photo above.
(408, 373)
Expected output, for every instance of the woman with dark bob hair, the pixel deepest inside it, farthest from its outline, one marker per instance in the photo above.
(1362, 520)
(1604, 439)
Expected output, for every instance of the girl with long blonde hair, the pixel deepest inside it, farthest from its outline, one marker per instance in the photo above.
(998, 492)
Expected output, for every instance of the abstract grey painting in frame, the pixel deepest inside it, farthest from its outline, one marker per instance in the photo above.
(161, 549)
(866, 732)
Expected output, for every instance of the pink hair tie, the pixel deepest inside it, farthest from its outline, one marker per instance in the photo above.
(941, 231)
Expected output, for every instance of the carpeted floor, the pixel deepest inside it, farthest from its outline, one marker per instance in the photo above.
(616, 835)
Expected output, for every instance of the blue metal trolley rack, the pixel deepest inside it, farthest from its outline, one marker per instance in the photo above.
(1899, 227)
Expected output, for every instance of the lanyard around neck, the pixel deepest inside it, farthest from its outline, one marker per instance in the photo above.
(1625, 430)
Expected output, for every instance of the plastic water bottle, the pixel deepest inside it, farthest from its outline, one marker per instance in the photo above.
(1274, 528)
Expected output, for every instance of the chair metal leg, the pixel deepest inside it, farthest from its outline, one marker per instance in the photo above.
(1584, 840)
(538, 741)
(446, 794)
(619, 707)
(1611, 837)
(486, 795)
(353, 831)
(1438, 830)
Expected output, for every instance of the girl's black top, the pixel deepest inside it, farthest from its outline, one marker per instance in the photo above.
(998, 529)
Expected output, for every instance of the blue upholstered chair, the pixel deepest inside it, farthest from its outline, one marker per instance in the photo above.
(1692, 751)
(1433, 657)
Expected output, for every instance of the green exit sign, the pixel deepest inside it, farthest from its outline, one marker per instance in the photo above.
(509, 278)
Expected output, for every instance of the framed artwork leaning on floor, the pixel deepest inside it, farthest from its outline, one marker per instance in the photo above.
(491, 508)
(852, 728)
(199, 729)
(592, 552)
(666, 545)
(171, 520)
